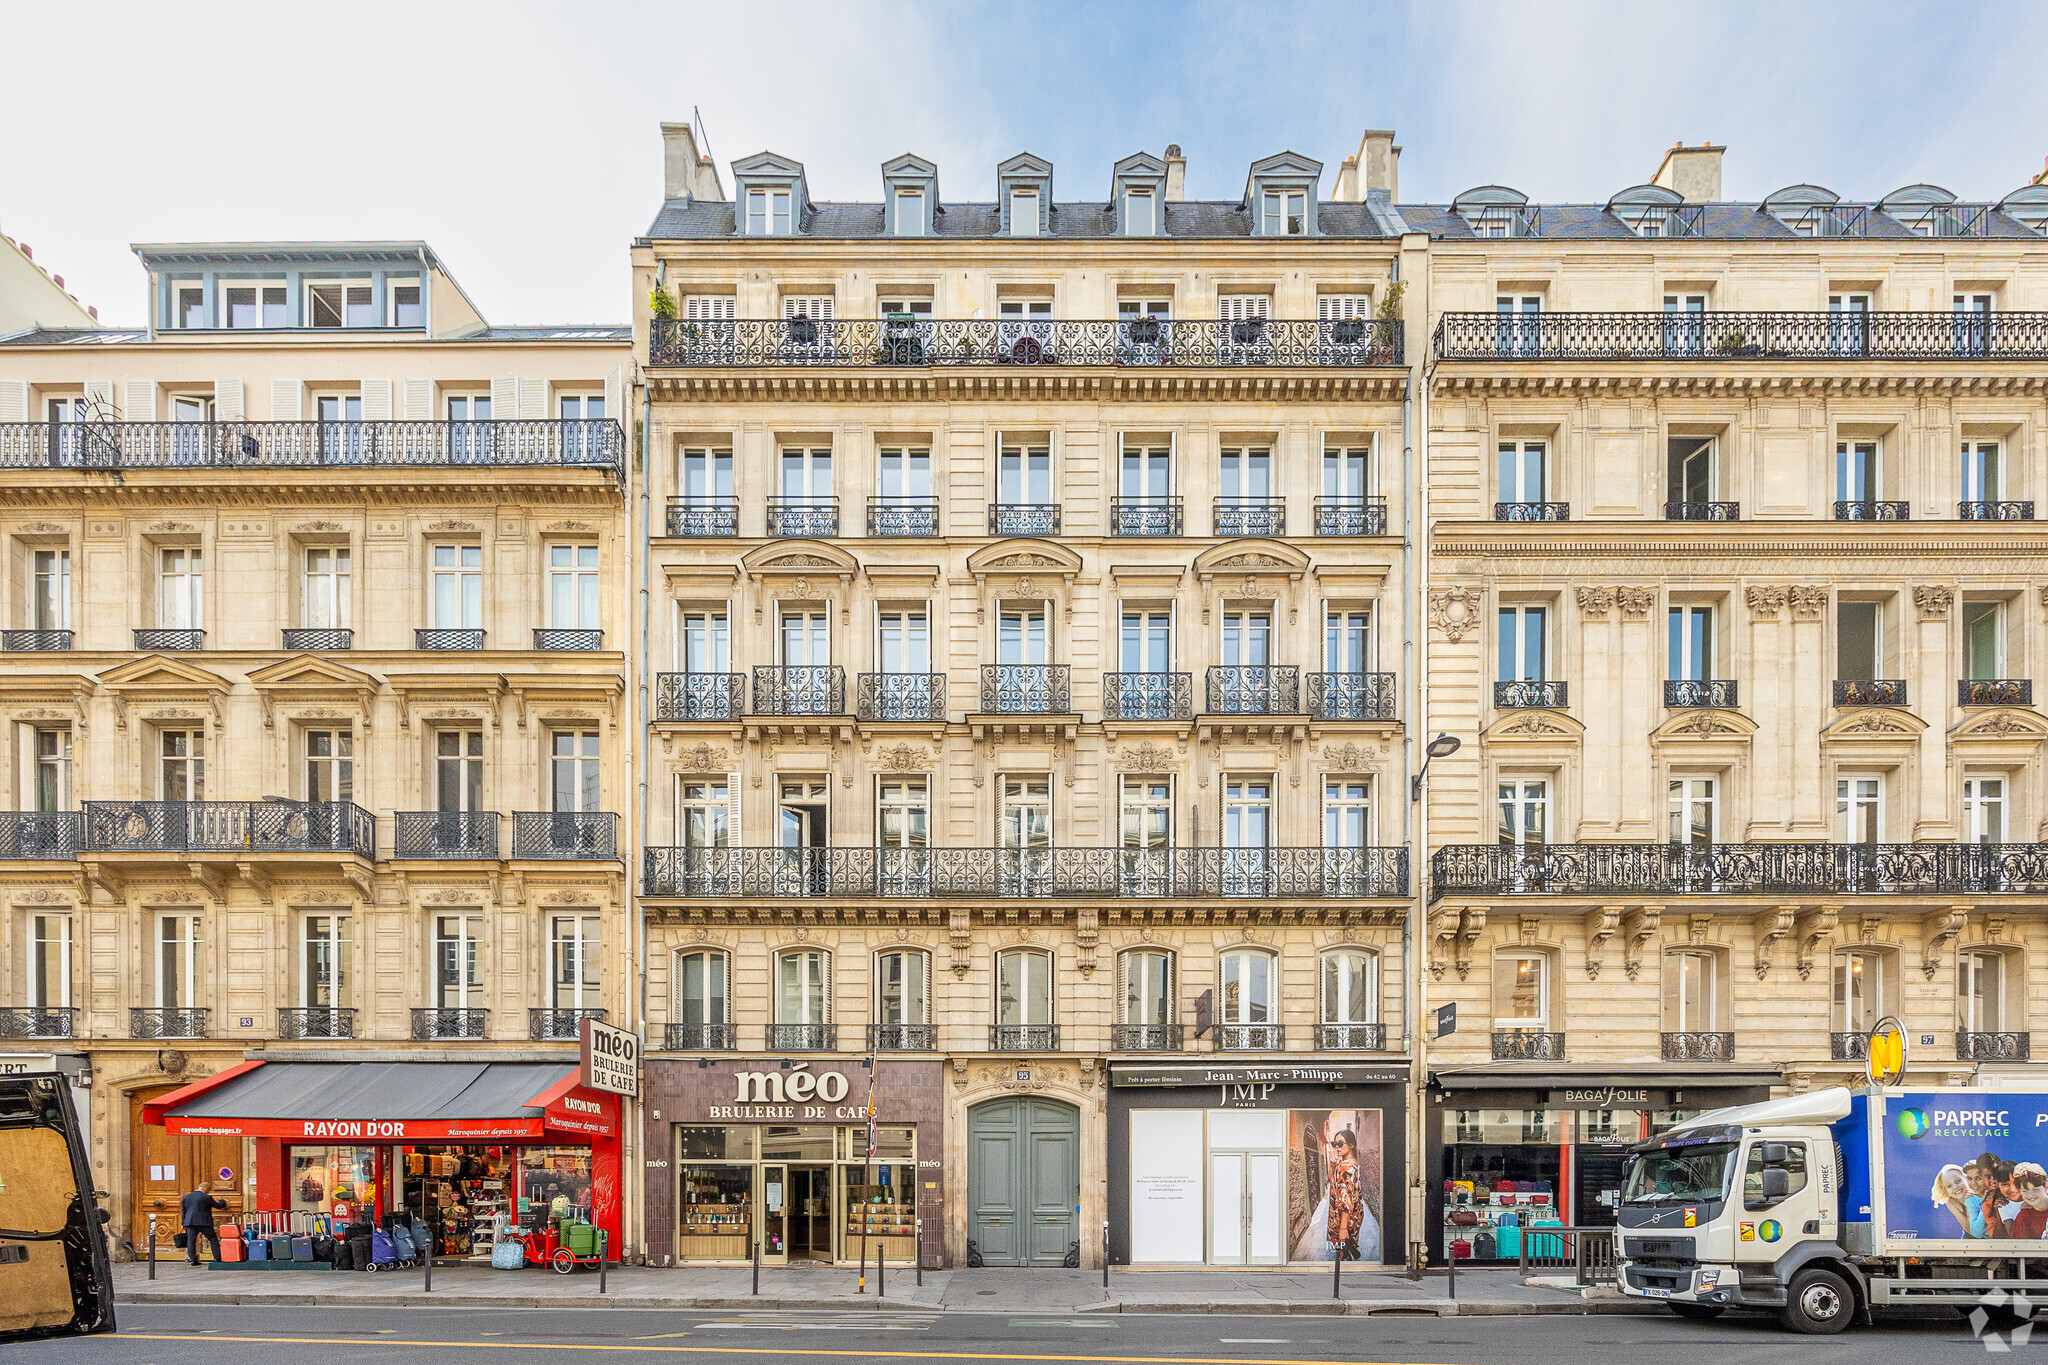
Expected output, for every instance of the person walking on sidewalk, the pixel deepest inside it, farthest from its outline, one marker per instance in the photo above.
(195, 1215)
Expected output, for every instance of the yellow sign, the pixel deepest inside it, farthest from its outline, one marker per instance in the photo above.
(1885, 1052)
(1749, 1232)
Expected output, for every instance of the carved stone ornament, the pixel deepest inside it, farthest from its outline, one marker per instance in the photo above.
(1144, 758)
(1704, 723)
(1026, 588)
(171, 528)
(319, 526)
(702, 758)
(452, 898)
(1454, 611)
(1635, 601)
(42, 528)
(903, 758)
(1808, 603)
(1535, 723)
(1933, 601)
(43, 895)
(1765, 602)
(1250, 561)
(1023, 561)
(1595, 603)
(569, 526)
(800, 591)
(801, 562)
(2001, 723)
(468, 526)
(1348, 759)
(1876, 722)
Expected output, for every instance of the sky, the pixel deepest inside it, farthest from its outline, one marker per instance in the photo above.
(521, 139)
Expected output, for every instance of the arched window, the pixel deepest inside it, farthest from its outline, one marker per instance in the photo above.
(1024, 1002)
(1147, 1018)
(1247, 1008)
(697, 1018)
(1348, 1014)
(903, 1019)
(803, 1001)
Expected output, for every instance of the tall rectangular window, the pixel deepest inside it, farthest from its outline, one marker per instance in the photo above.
(407, 310)
(177, 961)
(573, 961)
(50, 594)
(324, 953)
(1021, 636)
(1859, 640)
(802, 987)
(1147, 995)
(1347, 641)
(1145, 815)
(1983, 472)
(910, 213)
(1983, 656)
(1693, 809)
(575, 771)
(902, 988)
(1247, 473)
(1247, 638)
(1860, 991)
(704, 474)
(1023, 213)
(1147, 473)
(326, 589)
(1980, 992)
(702, 642)
(181, 584)
(1145, 641)
(181, 765)
(572, 587)
(458, 770)
(1689, 470)
(1248, 812)
(1859, 810)
(1347, 812)
(1524, 644)
(703, 814)
(1859, 475)
(53, 770)
(1690, 643)
(1024, 474)
(700, 987)
(1138, 215)
(1023, 987)
(806, 473)
(904, 473)
(904, 640)
(805, 639)
(1524, 812)
(49, 962)
(254, 306)
(1521, 991)
(458, 587)
(458, 962)
(1522, 470)
(330, 765)
(903, 813)
(1984, 810)
(1691, 993)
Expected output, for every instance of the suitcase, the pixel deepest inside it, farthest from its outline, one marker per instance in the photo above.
(1507, 1237)
(231, 1244)
(508, 1255)
(344, 1259)
(258, 1249)
(1461, 1250)
(1546, 1245)
(359, 1251)
(280, 1246)
(323, 1248)
(302, 1248)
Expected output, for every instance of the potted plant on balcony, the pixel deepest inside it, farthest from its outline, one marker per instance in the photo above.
(1348, 331)
(1247, 331)
(1144, 330)
(802, 330)
(661, 304)
(901, 344)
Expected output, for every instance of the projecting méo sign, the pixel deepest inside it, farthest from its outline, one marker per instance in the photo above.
(611, 1059)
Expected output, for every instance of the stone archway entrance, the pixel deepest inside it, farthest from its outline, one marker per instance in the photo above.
(1023, 1182)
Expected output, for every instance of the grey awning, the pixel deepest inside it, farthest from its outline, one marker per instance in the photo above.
(1558, 1075)
(420, 1091)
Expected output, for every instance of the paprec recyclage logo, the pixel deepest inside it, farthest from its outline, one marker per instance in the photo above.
(1913, 1123)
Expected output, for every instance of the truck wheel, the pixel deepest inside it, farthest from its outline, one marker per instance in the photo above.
(1698, 1312)
(1819, 1303)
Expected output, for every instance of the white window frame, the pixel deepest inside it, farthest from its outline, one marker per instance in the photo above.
(40, 943)
(1232, 970)
(1361, 964)
(1874, 967)
(1154, 984)
(1016, 471)
(1518, 798)
(49, 605)
(573, 574)
(575, 949)
(338, 945)
(1511, 470)
(1283, 213)
(190, 765)
(903, 638)
(329, 776)
(903, 474)
(470, 960)
(1350, 635)
(1689, 659)
(712, 958)
(1973, 966)
(392, 303)
(326, 592)
(1024, 223)
(1974, 613)
(1538, 1022)
(464, 760)
(913, 978)
(189, 971)
(1513, 655)
(1983, 471)
(771, 208)
(813, 985)
(181, 587)
(1688, 795)
(1852, 798)
(908, 206)
(1134, 198)
(1347, 803)
(1144, 812)
(1846, 452)
(57, 763)
(460, 566)
(1701, 1015)
(259, 292)
(1026, 1001)
(1985, 808)
(575, 755)
(704, 475)
(710, 307)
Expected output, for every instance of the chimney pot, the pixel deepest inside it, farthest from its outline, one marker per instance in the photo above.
(1694, 172)
(94, 310)
(26, 250)
(686, 171)
(1176, 174)
(1379, 163)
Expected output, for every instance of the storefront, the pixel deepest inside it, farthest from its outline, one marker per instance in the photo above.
(1516, 1146)
(468, 1148)
(1257, 1164)
(775, 1151)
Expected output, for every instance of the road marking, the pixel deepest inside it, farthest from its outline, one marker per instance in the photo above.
(1254, 1341)
(1063, 1322)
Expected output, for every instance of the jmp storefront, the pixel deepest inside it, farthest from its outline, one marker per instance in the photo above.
(774, 1151)
(1257, 1164)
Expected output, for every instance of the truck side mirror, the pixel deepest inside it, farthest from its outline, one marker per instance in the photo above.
(1777, 1182)
(1773, 1153)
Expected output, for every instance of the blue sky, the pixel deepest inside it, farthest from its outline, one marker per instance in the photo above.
(520, 138)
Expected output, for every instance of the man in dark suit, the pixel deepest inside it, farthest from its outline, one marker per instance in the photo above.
(195, 1215)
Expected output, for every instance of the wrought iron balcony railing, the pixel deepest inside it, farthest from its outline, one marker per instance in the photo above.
(444, 834)
(1742, 336)
(903, 1037)
(2012, 510)
(700, 696)
(319, 639)
(1870, 692)
(803, 1037)
(1351, 516)
(1532, 511)
(581, 442)
(565, 834)
(559, 1025)
(1351, 696)
(1148, 696)
(1023, 1037)
(316, 1021)
(1027, 689)
(436, 1023)
(241, 827)
(1351, 1037)
(447, 640)
(690, 517)
(41, 833)
(1527, 1045)
(1696, 1046)
(35, 641)
(903, 517)
(1146, 341)
(1254, 690)
(1145, 1037)
(699, 1038)
(900, 696)
(1703, 511)
(186, 1022)
(1993, 1047)
(36, 1021)
(1848, 1047)
(1023, 518)
(1250, 1037)
(1520, 692)
(1250, 516)
(1866, 509)
(567, 639)
(803, 516)
(1710, 692)
(1376, 872)
(1145, 517)
(1635, 869)
(165, 641)
(1995, 692)
(799, 690)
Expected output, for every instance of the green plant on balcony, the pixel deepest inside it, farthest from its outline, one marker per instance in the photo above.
(1390, 302)
(661, 303)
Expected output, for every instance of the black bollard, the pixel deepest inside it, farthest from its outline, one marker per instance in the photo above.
(919, 1240)
(431, 1245)
(1105, 1253)
(881, 1286)
(1453, 1263)
(757, 1267)
(603, 1257)
(152, 1246)
(1337, 1273)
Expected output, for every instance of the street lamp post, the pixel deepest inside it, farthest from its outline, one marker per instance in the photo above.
(1443, 746)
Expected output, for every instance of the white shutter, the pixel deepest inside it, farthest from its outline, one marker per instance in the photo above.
(1338, 307)
(615, 394)
(376, 400)
(230, 404)
(505, 397)
(99, 395)
(533, 399)
(825, 985)
(13, 400)
(285, 397)
(815, 306)
(710, 307)
(419, 400)
(138, 401)
(1123, 988)
(1242, 307)
(732, 811)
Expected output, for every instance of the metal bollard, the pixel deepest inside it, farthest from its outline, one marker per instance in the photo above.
(881, 1285)
(1337, 1273)
(757, 1266)
(152, 1246)
(604, 1256)
(920, 1253)
(1105, 1253)
(433, 1245)
(1452, 1262)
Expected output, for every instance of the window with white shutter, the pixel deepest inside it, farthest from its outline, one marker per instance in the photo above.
(138, 400)
(709, 307)
(13, 400)
(376, 400)
(228, 400)
(817, 307)
(1339, 307)
(287, 399)
(419, 400)
(1243, 307)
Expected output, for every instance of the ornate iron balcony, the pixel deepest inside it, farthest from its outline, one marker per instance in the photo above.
(1703, 511)
(559, 1025)
(805, 516)
(1849, 1047)
(1145, 1037)
(565, 834)
(1023, 518)
(1027, 689)
(444, 834)
(1870, 692)
(700, 696)
(903, 1037)
(1148, 696)
(1351, 696)
(1531, 692)
(947, 342)
(319, 639)
(1532, 511)
(1250, 516)
(453, 640)
(435, 1023)
(688, 516)
(1741, 336)
(242, 827)
(1145, 517)
(35, 641)
(1254, 690)
(41, 833)
(903, 517)
(170, 641)
(1351, 1037)
(583, 442)
(699, 1038)
(1351, 516)
(803, 1037)
(316, 1021)
(1250, 1037)
(900, 696)
(1868, 510)
(799, 690)
(1698, 1047)
(1995, 511)
(562, 638)
(1527, 1045)
(1637, 869)
(1023, 1037)
(36, 1021)
(167, 1023)
(1712, 692)
(1995, 692)
(1993, 1047)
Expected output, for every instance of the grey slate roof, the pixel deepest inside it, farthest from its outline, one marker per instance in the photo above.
(379, 1090)
(1724, 222)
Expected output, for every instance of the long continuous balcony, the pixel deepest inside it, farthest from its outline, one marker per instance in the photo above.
(700, 696)
(41, 833)
(1148, 696)
(1027, 689)
(464, 834)
(565, 835)
(1377, 872)
(1722, 336)
(799, 690)
(316, 1021)
(900, 696)
(1645, 869)
(36, 1021)
(1254, 690)
(584, 442)
(1351, 696)
(238, 827)
(949, 342)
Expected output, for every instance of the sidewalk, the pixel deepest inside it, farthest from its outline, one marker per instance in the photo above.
(1365, 1292)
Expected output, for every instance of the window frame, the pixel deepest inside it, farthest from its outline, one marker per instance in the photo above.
(338, 943)
(581, 575)
(1536, 1023)
(1369, 973)
(906, 957)
(467, 577)
(1231, 1011)
(680, 983)
(585, 947)
(1050, 993)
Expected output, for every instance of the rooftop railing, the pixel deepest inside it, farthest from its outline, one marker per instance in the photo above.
(568, 442)
(1742, 336)
(932, 342)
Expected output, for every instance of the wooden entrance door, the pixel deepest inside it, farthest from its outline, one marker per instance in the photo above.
(165, 1167)
(1023, 1181)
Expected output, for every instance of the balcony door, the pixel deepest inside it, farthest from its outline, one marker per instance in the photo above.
(902, 992)
(904, 640)
(700, 997)
(1348, 1001)
(50, 592)
(1984, 810)
(1980, 992)
(1518, 322)
(1848, 323)
(1521, 993)
(1021, 636)
(1859, 827)
(704, 476)
(177, 968)
(458, 587)
(458, 964)
(1247, 1002)
(1690, 643)
(1247, 835)
(1247, 475)
(1145, 644)
(181, 765)
(49, 968)
(1859, 472)
(803, 989)
(330, 765)
(573, 960)
(703, 642)
(800, 813)
(1347, 835)
(53, 770)
(181, 589)
(1689, 472)
(1685, 324)
(1145, 1005)
(324, 952)
(575, 772)
(1983, 472)
(1522, 469)
(1692, 993)
(1347, 472)
(1023, 989)
(1861, 992)
(1024, 475)
(1247, 639)
(1524, 830)
(1145, 827)
(1024, 834)
(572, 587)
(325, 605)
(458, 771)
(1348, 641)
(1524, 644)
(904, 475)
(806, 475)
(806, 639)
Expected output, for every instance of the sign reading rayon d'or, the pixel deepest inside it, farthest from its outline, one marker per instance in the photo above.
(611, 1058)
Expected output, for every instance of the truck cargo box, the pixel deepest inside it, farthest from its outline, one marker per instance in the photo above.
(1913, 1183)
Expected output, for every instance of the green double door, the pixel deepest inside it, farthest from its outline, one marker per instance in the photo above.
(1024, 1181)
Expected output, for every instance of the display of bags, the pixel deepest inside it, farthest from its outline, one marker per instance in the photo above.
(1463, 1218)
(508, 1255)
(280, 1246)
(259, 1249)
(1542, 1193)
(1503, 1191)
(1461, 1191)
(302, 1249)
(1461, 1250)
(1483, 1247)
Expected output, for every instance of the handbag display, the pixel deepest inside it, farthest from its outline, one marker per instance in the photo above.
(508, 1255)
(1463, 1218)
(1461, 1250)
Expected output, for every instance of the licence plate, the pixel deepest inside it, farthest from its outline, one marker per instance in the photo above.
(1656, 1293)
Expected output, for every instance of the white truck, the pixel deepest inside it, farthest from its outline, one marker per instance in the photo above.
(1825, 1206)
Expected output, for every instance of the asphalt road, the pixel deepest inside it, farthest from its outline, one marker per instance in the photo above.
(165, 1335)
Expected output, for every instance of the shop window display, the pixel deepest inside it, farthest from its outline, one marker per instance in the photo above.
(463, 1194)
(1502, 1171)
(340, 1181)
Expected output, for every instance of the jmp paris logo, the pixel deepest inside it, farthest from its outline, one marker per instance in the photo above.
(1913, 1123)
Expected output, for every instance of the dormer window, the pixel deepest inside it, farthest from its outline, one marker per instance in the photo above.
(340, 305)
(191, 305)
(406, 308)
(1285, 213)
(909, 213)
(1140, 218)
(768, 213)
(254, 305)
(1024, 213)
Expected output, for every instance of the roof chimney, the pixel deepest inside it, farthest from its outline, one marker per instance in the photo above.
(1345, 191)
(1176, 174)
(1695, 172)
(686, 172)
(1379, 162)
